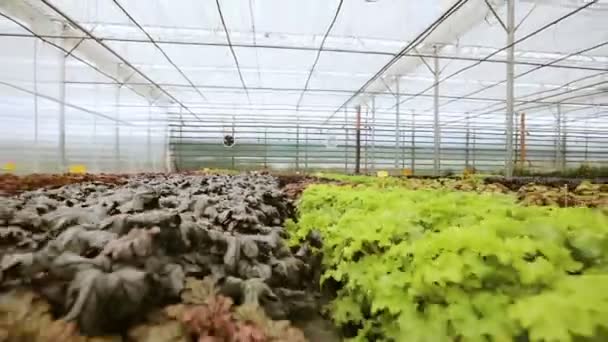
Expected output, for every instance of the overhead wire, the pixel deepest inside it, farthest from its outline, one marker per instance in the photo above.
(518, 41)
(101, 42)
(332, 92)
(524, 74)
(542, 98)
(304, 48)
(159, 48)
(59, 47)
(254, 39)
(318, 55)
(411, 45)
(236, 60)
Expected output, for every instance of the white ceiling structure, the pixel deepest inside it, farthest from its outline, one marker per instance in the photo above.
(268, 60)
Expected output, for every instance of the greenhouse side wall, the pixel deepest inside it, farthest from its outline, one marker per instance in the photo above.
(51, 123)
(261, 147)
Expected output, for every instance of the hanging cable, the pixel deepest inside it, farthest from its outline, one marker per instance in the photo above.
(526, 37)
(314, 64)
(236, 60)
(101, 42)
(410, 46)
(159, 48)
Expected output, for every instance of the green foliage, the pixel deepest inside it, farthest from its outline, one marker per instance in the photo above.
(454, 266)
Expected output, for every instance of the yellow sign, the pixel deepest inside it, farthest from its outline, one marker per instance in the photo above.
(9, 167)
(382, 174)
(78, 168)
(407, 172)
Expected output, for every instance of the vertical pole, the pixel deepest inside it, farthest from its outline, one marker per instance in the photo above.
(149, 139)
(265, 147)
(36, 147)
(586, 140)
(117, 132)
(62, 85)
(436, 130)
(306, 148)
(413, 151)
(522, 140)
(345, 142)
(397, 128)
(358, 141)
(232, 148)
(558, 138)
(510, 87)
(474, 148)
(564, 143)
(297, 139)
(373, 133)
(181, 140)
(515, 139)
(466, 142)
(366, 128)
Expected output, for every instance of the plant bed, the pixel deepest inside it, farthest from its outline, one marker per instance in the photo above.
(437, 265)
(92, 259)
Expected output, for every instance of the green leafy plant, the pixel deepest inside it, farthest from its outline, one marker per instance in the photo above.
(433, 265)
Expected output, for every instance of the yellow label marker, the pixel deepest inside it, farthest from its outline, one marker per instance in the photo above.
(407, 172)
(9, 167)
(382, 174)
(78, 168)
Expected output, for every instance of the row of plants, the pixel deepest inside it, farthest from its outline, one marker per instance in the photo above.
(562, 193)
(438, 265)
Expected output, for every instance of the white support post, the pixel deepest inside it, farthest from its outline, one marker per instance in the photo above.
(149, 140)
(510, 87)
(564, 142)
(413, 150)
(62, 153)
(345, 141)
(373, 133)
(297, 139)
(306, 148)
(36, 146)
(558, 139)
(397, 122)
(467, 151)
(436, 129)
(117, 166)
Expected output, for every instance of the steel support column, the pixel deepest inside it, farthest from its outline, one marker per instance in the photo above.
(306, 148)
(467, 146)
(373, 128)
(62, 153)
(510, 87)
(397, 123)
(358, 141)
(436, 129)
(558, 138)
(149, 139)
(117, 166)
(297, 139)
(564, 142)
(265, 147)
(36, 147)
(345, 142)
(413, 150)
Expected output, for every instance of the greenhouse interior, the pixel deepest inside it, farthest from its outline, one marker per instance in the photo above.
(320, 170)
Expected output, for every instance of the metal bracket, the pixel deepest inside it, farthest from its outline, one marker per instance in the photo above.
(388, 88)
(424, 61)
(496, 15)
(525, 17)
